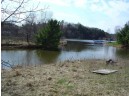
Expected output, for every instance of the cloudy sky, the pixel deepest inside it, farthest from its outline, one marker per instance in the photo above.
(104, 14)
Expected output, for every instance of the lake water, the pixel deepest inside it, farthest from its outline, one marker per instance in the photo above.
(73, 51)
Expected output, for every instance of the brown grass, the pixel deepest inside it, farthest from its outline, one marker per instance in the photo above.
(67, 79)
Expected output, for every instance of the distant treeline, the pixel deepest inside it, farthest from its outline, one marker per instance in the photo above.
(79, 31)
(70, 31)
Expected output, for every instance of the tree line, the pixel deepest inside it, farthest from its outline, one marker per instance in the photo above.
(69, 30)
(79, 31)
(49, 33)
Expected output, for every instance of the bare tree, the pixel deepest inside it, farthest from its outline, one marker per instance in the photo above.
(15, 10)
(45, 16)
(29, 26)
(117, 28)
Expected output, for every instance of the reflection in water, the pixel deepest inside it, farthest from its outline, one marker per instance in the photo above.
(24, 57)
(72, 46)
(74, 50)
(109, 52)
(87, 52)
(47, 56)
(123, 53)
(79, 46)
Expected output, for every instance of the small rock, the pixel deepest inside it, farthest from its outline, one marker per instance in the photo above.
(49, 78)
(17, 73)
(61, 72)
(29, 85)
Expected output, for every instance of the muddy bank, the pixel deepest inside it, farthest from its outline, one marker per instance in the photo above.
(19, 46)
(70, 78)
(25, 46)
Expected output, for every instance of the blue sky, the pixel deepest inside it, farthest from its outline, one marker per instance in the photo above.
(104, 14)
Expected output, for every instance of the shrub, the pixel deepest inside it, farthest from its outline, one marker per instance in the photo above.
(123, 35)
(49, 36)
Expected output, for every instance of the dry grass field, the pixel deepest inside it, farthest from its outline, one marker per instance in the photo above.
(69, 78)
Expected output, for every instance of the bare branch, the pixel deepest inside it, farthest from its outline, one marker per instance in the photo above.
(22, 19)
(29, 11)
(19, 1)
(2, 1)
(14, 11)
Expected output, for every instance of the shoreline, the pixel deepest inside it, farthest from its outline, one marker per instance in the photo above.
(19, 46)
(69, 78)
(25, 46)
(114, 44)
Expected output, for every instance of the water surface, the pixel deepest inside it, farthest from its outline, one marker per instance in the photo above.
(73, 51)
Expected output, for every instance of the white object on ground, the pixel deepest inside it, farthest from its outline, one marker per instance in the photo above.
(104, 71)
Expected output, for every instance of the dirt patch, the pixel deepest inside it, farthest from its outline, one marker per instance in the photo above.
(70, 78)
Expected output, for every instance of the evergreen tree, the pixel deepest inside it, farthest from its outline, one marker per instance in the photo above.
(49, 36)
(123, 35)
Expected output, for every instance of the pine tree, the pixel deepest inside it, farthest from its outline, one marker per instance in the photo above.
(49, 36)
(123, 35)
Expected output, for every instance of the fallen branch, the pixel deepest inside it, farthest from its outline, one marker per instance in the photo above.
(7, 64)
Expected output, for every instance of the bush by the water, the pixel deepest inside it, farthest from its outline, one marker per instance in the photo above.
(123, 35)
(49, 36)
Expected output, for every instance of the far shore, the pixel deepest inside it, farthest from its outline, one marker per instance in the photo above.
(20, 46)
(25, 45)
(115, 44)
(69, 78)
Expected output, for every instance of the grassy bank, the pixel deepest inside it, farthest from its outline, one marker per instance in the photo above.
(115, 44)
(18, 44)
(5, 45)
(70, 78)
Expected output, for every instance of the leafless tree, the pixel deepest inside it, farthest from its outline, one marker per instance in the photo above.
(117, 28)
(15, 10)
(30, 26)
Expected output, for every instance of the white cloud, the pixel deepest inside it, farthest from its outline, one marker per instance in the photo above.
(67, 3)
(96, 1)
(56, 2)
(119, 6)
(95, 7)
(115, 11)
(80, 3)
(111, 8)
(68, 17)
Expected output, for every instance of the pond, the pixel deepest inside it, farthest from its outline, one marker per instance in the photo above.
(72, 51)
